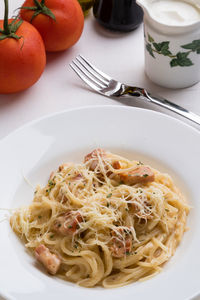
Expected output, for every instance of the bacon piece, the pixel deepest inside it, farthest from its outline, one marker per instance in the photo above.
(116, 165)
(92, 158)
(77, 177)
(141, 174)
(68, 223)
(121, 243)
(49, 260)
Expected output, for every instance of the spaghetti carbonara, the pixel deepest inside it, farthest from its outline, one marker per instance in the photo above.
(108, 221)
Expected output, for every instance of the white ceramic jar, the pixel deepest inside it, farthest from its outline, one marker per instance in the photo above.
(172, 42)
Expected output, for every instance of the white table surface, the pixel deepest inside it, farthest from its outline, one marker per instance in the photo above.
(119, 55)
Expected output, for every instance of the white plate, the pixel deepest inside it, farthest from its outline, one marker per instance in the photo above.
(37, 148)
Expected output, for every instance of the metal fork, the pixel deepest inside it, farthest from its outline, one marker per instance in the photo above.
(105, 85)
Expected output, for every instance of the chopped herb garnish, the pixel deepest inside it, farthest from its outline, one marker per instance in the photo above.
(76, 246)
(70, 226)
(128, 253)
(109, 195)
(50, 182)
(145, 175)
(51, 236)
(59, 225)
(51, 185)
(126, 209)
(39, 217)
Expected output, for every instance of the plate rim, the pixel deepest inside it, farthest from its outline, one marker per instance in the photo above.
(125, 107)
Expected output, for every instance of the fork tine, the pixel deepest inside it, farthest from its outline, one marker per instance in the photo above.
(90, 69)
(88, 75)
(98, 72)
(84, 77)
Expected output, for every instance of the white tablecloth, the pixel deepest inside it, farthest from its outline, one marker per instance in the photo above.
(119, 55)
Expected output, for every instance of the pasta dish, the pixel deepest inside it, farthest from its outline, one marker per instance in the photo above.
(108, 221)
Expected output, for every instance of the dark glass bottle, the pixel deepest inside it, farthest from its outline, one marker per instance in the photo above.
(121, 15)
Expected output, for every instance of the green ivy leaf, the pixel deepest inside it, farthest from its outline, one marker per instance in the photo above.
(194, 46)
(157, 46)
(166, 52)
(183, 60)
(150, 50)
(182, 55)
(174, 63)
(150, 39)
(163, 48)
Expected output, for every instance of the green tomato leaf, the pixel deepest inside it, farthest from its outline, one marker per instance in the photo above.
(150, 50)
(36, 13)
(194, 46)
(15, 26)
(150, 39)
(29, 7)
(3, 37)
(48, 12)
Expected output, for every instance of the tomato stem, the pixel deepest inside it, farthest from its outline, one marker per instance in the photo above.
(5, 24)
(39, 8)
(9, 29)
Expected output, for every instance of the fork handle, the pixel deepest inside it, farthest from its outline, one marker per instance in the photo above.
(147, 96)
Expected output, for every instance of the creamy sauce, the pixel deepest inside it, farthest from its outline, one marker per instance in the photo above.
(171, 12)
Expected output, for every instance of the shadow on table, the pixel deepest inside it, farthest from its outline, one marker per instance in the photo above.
(108, 33)
(55, 57)
(9, 99)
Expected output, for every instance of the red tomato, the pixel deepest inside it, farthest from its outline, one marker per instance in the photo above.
(22, 60)
(62, 32)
